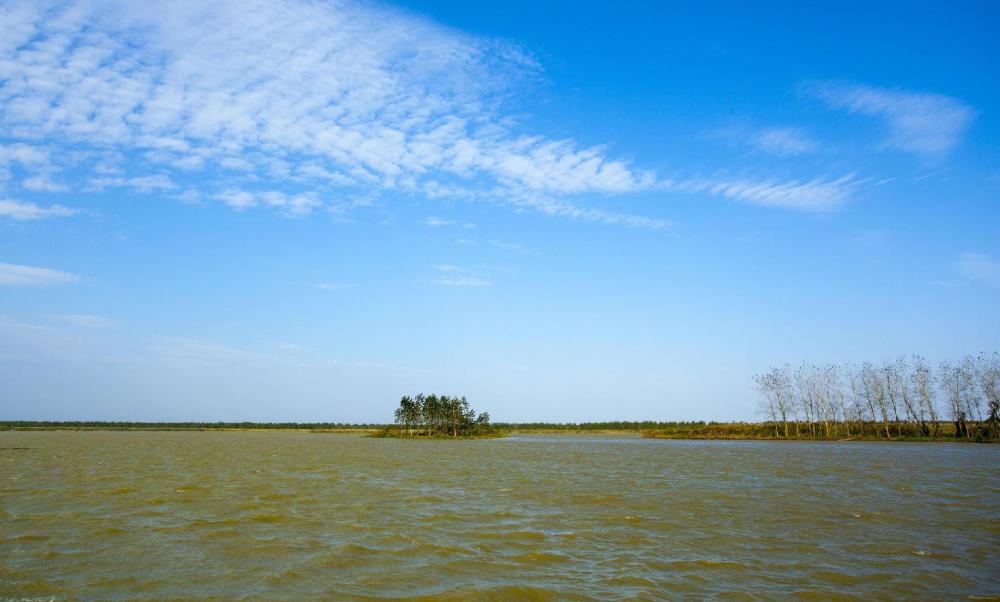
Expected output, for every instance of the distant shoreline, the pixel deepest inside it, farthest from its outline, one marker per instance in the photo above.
(729, 431)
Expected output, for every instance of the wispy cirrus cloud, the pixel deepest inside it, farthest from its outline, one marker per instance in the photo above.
(784, 141)
(452, 275)
(816, 195)
(42, 183)
(437, 222)
(21, 211)
(12, 274)
(335, 286)
(289, 204)
(440, 222)
(979, 268)
(549, 205)
(922, 123)
(86, 320)
(153, 183)
(496, 244)
(779, 141)
(291, 95)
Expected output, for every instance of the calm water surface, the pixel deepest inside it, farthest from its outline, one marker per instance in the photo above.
(296, 516)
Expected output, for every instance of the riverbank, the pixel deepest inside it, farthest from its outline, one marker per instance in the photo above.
(190, 426)
(647, 429)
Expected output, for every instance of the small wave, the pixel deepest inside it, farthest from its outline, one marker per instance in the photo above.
(838, 578)
(514, 536)
(542, 558)
(121, 490)
(109, 531)
(628, 518)
(269, 518)
(703, 563)
(509, 592)
(190, 489)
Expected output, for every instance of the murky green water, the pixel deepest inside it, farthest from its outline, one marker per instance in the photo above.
(289, 516)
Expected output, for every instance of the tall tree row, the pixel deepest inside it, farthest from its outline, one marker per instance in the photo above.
(895, 399)
(437, 415)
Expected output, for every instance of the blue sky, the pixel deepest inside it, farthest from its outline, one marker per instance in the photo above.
(565, 211)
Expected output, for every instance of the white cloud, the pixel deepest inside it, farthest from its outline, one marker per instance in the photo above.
(559, 207)
(288, 93)
(43, 184)
(146, 184)
(23, 154)
(780, 141)
(451, 275)
(289, 204)
(335, 286)
(12, 274)
(981, 268)
(22, 211)
(86, 320)
(815, 195)
(440, 222)
(470, 281)
(922, 123)
(507, 246)
(784, 141)
(237, 199)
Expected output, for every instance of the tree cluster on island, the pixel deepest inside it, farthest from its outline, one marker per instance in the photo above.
(903, 398)
(439, 415)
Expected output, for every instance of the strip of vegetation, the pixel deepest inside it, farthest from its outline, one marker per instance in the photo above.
(90, 425)
(614, 426)
(648, 428)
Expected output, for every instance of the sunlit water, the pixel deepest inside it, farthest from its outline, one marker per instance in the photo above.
(297, 516)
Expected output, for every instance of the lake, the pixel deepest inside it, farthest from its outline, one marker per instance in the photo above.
(298, 516)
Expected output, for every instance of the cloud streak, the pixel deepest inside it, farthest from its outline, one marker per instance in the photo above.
(12, 274)
(926, 124)
(816, 195)
(783, 141)
(451, 275)
(779, 141)
(20, 211)
(86, 320)
(440, 222)
(979, 268)
(496, 244)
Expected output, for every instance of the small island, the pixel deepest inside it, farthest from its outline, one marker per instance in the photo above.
(438, 416)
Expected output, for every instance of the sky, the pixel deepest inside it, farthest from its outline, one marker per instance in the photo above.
(301, 210)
